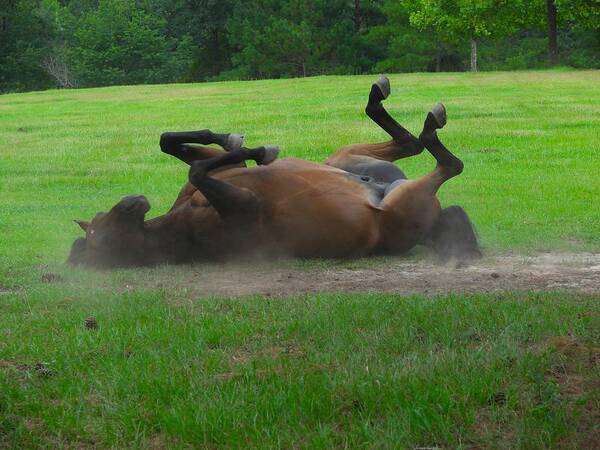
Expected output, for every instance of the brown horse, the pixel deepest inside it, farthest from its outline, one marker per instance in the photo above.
(357, 203)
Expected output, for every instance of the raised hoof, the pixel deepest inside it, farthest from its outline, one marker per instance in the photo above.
(439, 113)
(271, 154)
(384, 86)
(234, 142)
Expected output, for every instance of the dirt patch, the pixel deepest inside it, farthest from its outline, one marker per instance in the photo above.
(5, 291)
(50, 277)
(40, 369)
(159, 442)
(579, 273)
(571, 371)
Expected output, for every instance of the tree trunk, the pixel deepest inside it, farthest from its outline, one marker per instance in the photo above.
(357, 18)
(473, 55)
(552, 40)
(438, 62)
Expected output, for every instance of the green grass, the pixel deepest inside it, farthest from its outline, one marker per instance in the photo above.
(530, 142)
(375, 371)
(166, 369)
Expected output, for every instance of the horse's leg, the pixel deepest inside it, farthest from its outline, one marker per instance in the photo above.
(174, 144)
(410, 210)
(449, 165)
(408, 145)
(452, 235)
(375, 159)
(231, 202)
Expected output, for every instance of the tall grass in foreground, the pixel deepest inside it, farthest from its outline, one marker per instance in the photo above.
(376, 371)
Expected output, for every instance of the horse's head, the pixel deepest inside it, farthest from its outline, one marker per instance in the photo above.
(115, 238)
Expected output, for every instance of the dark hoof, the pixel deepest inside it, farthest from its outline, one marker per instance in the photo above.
(384, 86)
(271, 154)
(234, 142)
(439, 113)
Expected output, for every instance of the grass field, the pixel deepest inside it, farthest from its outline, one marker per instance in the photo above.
(530, 142)
(166, 369)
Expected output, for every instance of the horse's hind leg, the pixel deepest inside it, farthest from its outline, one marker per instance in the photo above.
(403, 143)
(452, 235)
(375, 159)
(409, 145)
(448, 165)
(411, 211)
(411, 215)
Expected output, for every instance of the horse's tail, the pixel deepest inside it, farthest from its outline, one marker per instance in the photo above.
(453, 236)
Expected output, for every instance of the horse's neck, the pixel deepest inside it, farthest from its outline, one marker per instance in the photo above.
(165, 240)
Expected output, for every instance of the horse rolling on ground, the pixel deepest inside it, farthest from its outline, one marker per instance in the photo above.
(357, 203)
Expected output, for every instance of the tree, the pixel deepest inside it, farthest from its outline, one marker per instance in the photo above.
(467, 19)
(57, 68)
(275, 38)
(64, 43)
(204, 21)
(583, 13)
(119, 43)
(552, 32)
(28, 37)
(399, 47)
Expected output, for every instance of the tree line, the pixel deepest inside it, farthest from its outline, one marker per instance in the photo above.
(70, 43)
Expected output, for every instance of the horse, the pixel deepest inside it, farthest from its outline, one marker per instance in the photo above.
(357, 203)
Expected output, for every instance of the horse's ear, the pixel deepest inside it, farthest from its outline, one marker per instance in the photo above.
(83, 224)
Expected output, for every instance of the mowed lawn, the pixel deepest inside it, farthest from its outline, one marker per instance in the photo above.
(530, 142)
(164, 369)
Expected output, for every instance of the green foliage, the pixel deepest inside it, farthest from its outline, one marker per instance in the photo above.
(28, 29)
(462, 20)
(274, 38)
(402, 48)
(473, 19)
(117, 43)
(205, 22)
(585, 12)
(66, 43)
(517, 52)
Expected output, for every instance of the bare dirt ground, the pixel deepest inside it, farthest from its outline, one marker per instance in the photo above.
(572, 272)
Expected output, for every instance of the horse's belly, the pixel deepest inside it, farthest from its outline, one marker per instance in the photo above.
(311, 210)
(331, 227)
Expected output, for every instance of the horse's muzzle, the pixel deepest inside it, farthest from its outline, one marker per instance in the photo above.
(134, 203)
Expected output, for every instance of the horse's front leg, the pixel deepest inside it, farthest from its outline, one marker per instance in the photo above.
(234, 204)
(177, 144)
